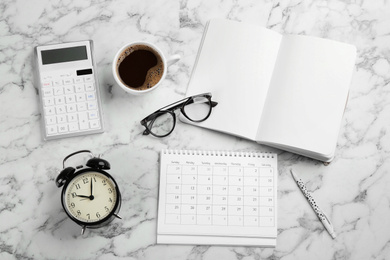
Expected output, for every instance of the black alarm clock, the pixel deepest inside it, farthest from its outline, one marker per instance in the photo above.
(90, 196)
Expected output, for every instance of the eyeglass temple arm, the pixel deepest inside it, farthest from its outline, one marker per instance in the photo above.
(178, 104)
(213, 103)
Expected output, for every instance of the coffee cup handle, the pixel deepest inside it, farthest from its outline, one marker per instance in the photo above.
(173, 59)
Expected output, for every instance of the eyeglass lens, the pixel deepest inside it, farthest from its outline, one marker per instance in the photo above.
(196, 109)
(162, 124)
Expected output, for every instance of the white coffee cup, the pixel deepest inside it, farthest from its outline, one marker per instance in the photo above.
(124, 51)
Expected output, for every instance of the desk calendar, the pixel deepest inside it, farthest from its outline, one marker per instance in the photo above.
(217, 198)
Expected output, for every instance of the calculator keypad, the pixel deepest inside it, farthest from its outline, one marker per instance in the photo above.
(70, 106)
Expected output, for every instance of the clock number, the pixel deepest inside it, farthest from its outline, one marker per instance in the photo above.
(74, 194)
(72, 205)
(107, 209)
(78, 213)
(104, 182)
(110, 190)
(97, 215)
(110, 200)
(85, 180)
(89, 216)
(77, 186)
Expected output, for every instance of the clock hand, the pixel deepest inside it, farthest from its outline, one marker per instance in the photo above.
(91, 186)
(83, 196)
(88, 197)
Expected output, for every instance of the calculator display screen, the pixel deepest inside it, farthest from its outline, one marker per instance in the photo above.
(64, 55)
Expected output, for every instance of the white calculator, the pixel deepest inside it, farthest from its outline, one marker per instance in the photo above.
(68, 90)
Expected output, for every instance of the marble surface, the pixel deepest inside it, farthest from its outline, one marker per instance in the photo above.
(354, 190)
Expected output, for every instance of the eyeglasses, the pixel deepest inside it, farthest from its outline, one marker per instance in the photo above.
(162, 122)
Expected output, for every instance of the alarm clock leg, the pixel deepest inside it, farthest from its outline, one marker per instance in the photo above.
(83, 230)
(116, 215)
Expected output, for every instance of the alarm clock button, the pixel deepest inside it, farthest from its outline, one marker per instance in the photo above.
(64, 175)
(98, 163)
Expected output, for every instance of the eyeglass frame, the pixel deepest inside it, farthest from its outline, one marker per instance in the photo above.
(171, 110)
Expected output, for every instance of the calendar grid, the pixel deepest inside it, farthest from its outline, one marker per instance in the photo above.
(219, 195)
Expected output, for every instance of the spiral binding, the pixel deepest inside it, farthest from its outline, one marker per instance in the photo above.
(250, 154)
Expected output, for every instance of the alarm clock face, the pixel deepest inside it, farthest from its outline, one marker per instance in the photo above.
(91, 197)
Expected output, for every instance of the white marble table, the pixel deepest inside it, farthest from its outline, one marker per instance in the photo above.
(354, 189)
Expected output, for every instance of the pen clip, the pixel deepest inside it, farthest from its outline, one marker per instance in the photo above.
(328, 225)
(326, 217)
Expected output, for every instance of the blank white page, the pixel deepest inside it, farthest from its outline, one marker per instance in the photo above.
(235, 63)
(308, 94)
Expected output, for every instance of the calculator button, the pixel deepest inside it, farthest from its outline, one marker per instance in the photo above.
(79, 88)
(83, 116)
(49, 101)
(70, 108)
(88, 78)
(59, 100)
(81, 106)
(91, 96)
(92, 105)
(78, 80)
(68, 81)
(60, 109)
(63, 128)
(94, 124)
(61, 119)
(58, 82)
(47, 92)
(72, 117)
(51, 129)
(80, 97)
(51, 120)
(73, 127)
(89, 87)
(50, 111)
(83, 120)
(84, 125)
(69, 89)
(92, 115)
(70, 99)
(58, 91)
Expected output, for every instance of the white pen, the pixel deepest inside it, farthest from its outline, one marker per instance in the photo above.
(320, 214)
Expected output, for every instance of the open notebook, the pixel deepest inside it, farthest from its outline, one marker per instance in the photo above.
(288, 91)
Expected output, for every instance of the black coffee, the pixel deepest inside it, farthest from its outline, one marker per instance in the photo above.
(140, 67)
